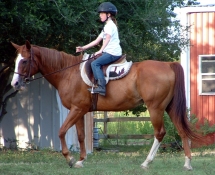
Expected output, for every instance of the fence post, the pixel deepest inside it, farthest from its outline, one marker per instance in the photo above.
(105, 123)
(88, 119)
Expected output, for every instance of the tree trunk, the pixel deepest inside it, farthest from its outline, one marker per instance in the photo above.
(5, 87)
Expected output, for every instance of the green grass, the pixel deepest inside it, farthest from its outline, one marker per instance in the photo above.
(126, 161)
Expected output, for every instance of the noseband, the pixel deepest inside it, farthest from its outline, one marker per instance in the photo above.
(27, 78)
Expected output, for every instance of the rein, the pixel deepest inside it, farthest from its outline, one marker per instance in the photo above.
(28, 80)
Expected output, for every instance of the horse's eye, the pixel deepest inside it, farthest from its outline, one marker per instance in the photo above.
(24, 62)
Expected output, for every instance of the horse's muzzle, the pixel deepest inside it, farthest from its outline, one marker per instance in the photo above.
(19, 85)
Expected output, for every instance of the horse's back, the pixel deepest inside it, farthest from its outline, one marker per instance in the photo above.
(154, 66)
(155, 70)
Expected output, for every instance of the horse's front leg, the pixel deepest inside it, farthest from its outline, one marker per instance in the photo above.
(74, 115)
(81, 136)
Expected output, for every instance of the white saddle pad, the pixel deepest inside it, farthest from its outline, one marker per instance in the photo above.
(113, 72)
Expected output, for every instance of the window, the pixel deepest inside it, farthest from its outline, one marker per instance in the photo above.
(207, 74)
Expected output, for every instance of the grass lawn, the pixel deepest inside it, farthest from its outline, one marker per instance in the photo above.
(122, 162)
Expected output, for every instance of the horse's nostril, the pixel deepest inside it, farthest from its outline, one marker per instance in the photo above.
(17, 83)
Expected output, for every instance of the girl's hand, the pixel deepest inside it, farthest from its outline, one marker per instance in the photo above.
(98, 53)
(79, 49)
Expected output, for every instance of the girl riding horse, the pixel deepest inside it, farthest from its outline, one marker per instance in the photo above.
(110, 50)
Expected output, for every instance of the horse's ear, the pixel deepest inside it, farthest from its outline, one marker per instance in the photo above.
(15, 45)
(28, 45)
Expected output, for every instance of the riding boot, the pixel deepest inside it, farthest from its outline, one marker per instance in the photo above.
(101, 89)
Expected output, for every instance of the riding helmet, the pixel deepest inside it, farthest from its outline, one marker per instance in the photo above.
(107, 7)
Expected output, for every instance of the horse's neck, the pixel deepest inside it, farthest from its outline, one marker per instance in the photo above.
(57, 65)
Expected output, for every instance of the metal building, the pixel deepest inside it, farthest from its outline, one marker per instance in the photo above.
(34, 118)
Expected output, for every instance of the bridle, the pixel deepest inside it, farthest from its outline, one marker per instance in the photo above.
(28, 79)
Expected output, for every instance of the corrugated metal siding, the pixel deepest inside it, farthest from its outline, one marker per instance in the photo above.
(32, 116)
(35, 116)
(202, 43)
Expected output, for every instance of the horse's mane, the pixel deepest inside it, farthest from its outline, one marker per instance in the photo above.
(58, 59)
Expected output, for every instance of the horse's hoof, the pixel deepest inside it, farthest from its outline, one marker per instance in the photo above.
(79, 164)
(187, 164)
(71, 162)
(144, 167)
(188, 168)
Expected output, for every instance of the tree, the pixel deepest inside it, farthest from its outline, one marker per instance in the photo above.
(145, 27)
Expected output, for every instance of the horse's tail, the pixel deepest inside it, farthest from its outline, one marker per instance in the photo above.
(177, 107)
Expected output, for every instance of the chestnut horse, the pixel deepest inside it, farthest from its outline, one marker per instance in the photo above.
(160, 85)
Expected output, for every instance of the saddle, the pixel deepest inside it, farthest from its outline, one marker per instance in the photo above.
(112, 71)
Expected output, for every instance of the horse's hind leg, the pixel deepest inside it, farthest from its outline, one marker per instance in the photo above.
(187, 151)
(186, 146)
(151, 154)
(185, 141)
(159, 132)
(81, 136)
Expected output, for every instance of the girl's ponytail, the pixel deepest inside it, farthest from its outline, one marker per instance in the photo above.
(114, 20)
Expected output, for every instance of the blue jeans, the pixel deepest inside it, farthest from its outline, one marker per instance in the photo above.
(97, 64)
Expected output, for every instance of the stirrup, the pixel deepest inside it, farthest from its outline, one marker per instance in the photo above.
(93, 92)
(91, 89)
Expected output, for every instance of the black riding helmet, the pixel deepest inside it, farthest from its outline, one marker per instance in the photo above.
(107, 7)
